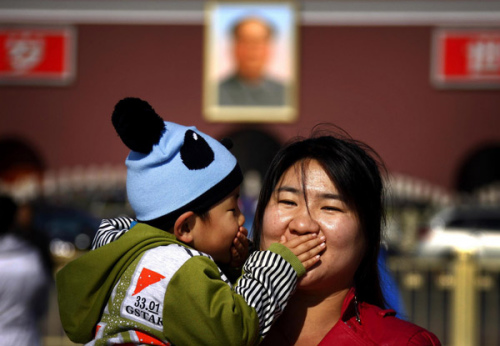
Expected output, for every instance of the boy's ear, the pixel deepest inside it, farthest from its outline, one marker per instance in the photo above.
(182, 227)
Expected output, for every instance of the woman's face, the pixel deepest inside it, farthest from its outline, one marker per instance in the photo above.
(325, 212)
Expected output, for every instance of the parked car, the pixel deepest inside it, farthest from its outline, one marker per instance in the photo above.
(68, 229)
(473, 228)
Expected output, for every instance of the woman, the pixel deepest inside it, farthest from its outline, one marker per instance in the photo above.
(332, 185)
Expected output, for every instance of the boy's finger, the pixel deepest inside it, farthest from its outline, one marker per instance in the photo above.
(297, 241)
(237, 239)
(244, 231)
(310, 262)
(305, 244)
(310, 245)
(311, 252)
(283, 240)
(242, 237)
(239, 247)
(244, 242)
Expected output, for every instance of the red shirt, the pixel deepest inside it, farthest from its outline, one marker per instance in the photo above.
(376, 327)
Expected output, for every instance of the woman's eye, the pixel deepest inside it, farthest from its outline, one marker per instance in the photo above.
(330, 208)
(286, 202)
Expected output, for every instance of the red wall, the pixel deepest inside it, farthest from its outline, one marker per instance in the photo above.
(372, 81)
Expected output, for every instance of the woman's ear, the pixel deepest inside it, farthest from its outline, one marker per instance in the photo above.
(182, 227)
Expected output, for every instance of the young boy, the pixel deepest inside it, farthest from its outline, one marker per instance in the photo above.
(158, 284)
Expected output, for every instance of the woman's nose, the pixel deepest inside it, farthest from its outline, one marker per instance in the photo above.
(304, 223)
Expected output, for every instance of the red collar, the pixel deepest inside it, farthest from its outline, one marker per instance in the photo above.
(349, 307)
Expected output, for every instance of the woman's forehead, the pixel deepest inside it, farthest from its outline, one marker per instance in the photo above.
(307, 175)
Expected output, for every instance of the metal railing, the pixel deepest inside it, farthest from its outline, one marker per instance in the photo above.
(456, 298)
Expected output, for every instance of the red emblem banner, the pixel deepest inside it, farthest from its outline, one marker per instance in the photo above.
(467, 58)
(37, 55)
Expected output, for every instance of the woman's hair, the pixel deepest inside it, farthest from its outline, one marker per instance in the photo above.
(354, 169)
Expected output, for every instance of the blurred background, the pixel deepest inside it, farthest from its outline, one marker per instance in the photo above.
(374, 68)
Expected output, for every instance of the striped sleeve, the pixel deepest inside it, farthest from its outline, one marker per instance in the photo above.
(266, 285)
(110, 230)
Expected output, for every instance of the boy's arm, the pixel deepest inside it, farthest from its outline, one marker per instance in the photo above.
(269, 278)
(110, 230)
(200, 308)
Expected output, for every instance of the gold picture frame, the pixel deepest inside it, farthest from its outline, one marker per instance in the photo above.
(251, 62)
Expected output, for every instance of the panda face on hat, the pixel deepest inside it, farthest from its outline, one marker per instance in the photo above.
(183, 170)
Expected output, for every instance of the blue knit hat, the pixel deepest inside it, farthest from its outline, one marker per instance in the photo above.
(171, 168)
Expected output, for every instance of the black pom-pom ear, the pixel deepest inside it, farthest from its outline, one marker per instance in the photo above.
(195, 151)
(227, 142)
(137, 124)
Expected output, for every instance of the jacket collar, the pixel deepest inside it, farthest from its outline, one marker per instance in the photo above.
(350, 306)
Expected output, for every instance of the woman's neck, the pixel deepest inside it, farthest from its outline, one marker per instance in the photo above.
(308, 317)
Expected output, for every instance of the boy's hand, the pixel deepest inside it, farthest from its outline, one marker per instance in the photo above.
(306, 247)
(239, 249)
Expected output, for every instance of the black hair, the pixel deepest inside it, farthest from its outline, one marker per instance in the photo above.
(8, 210)
(355, 169)
(269, 26)
(16, 152)
(166, 222)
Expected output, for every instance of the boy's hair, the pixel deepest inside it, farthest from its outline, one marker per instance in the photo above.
(171, 168)
(167, 223)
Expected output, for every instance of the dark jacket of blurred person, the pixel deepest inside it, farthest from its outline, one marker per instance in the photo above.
(24, 282)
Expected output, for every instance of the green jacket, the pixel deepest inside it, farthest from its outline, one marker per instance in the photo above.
(148, 287)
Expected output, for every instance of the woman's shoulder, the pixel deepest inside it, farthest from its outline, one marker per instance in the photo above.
(383, 327)
(375, 326)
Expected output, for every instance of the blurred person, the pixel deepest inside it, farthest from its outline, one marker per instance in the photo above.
(21, 165)
(24, 281)
(21, 175)
(248, 84)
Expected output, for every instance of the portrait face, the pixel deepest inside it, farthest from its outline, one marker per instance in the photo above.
(215, 234)
(252, 48)
(307, 201)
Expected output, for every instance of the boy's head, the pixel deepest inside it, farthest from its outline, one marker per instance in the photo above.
(171, 169)
(215, 231)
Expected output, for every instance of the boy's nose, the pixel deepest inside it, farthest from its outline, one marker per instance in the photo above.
(241, 219)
